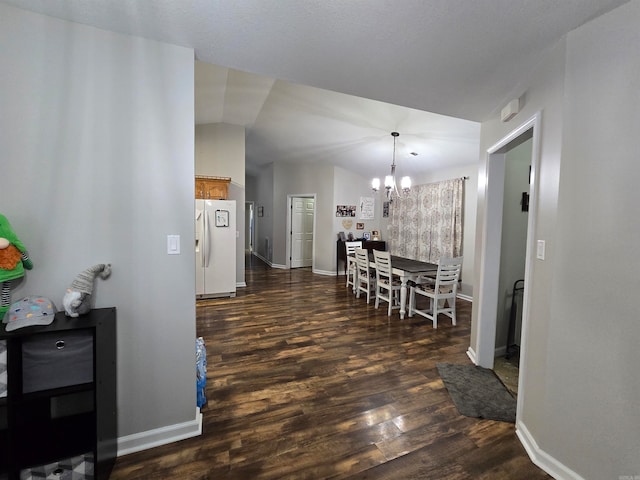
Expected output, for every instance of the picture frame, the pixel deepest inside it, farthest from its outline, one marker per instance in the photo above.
(342, 237)
(222, 218)
(385, 209)
(366, 236)
(261, 211)
(375, 234)
(345, 210)
(359, 226)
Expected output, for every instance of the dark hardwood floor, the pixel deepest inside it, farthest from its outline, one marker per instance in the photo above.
(305, 381)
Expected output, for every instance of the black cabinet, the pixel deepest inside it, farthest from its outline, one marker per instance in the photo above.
(58, 397)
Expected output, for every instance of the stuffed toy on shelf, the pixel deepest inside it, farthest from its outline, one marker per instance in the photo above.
(14, 260)
(77, 298)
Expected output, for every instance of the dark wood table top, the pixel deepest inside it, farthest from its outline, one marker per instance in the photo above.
(412, 266)
(407, 264)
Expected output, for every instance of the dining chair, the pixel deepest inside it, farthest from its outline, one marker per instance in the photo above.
(387, 287)
(365, 278)
(443, 290)
(350, 259)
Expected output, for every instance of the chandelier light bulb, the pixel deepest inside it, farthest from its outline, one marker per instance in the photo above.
(405, 184)
(390, 180)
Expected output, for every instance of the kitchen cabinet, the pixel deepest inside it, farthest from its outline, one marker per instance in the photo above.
(212, 188)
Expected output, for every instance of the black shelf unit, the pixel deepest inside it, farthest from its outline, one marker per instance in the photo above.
(60, 405)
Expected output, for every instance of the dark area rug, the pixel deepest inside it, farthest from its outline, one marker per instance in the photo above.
(477, 392)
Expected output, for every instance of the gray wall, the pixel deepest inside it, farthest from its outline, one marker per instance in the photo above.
(315, 179)
(580, 387)
(97, 165)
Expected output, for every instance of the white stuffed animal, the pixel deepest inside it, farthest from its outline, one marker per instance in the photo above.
(77, 298)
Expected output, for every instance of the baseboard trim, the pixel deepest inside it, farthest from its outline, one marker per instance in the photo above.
(472, 355)
(255, 254)
(465, 297)
(160, 436)
(324, 272)
(542, 459)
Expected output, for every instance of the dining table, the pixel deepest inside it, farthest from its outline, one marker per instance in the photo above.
(409, 269)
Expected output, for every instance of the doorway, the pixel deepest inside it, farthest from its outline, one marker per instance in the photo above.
(483, 351)
(301, 230)
(249, 228)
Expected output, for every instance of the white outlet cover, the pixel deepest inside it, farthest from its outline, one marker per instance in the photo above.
(173, 244)
(540, 250)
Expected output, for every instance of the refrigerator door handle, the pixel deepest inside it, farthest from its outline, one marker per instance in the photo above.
(206, 238)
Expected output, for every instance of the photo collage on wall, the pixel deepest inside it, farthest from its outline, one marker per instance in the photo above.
(346, 211)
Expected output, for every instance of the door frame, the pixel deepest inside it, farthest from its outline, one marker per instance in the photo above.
(288, 231)
(483, 352)
(250, 235)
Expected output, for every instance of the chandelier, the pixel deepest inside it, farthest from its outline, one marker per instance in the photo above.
(390, 184)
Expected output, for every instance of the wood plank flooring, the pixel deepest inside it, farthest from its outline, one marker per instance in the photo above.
(305, 381)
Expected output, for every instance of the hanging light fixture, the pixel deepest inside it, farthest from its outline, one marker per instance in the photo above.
(390, 184)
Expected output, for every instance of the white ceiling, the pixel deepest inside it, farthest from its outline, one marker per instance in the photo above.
(458, 58)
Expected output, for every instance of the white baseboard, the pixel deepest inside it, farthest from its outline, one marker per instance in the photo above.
(324, 272)
(160, 436)
(542, 459)
(241, 284)
(256, 254)
(464, 297)
(472, 355)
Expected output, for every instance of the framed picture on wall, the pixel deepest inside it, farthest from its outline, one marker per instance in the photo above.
(375, 234)
(359, 226)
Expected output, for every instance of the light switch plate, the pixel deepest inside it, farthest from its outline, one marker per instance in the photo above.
(173, 244)
(540, 250)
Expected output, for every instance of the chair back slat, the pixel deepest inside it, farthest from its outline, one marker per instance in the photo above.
(383, 262)
(362, 258)
(350, 247)
(448, 271)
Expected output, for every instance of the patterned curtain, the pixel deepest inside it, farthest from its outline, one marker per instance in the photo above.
(426, 224)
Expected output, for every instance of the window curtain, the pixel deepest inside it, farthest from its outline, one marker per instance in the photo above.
(426, 224)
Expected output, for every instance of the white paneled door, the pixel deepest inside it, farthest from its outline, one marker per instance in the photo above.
(302, 212)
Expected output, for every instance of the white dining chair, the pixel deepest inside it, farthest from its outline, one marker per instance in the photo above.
(350, 259)
(387, 287)
(443, 290)
(365, 278)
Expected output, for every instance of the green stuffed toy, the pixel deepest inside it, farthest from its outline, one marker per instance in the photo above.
(14, 259)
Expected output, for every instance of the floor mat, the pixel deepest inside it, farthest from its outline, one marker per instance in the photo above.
(477, 392)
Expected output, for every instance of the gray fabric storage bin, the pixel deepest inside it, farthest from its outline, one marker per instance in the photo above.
(57, 359)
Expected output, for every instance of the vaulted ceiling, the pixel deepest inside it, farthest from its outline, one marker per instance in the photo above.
(328, 80)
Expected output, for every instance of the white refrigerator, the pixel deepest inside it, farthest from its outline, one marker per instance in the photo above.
(215, 248)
